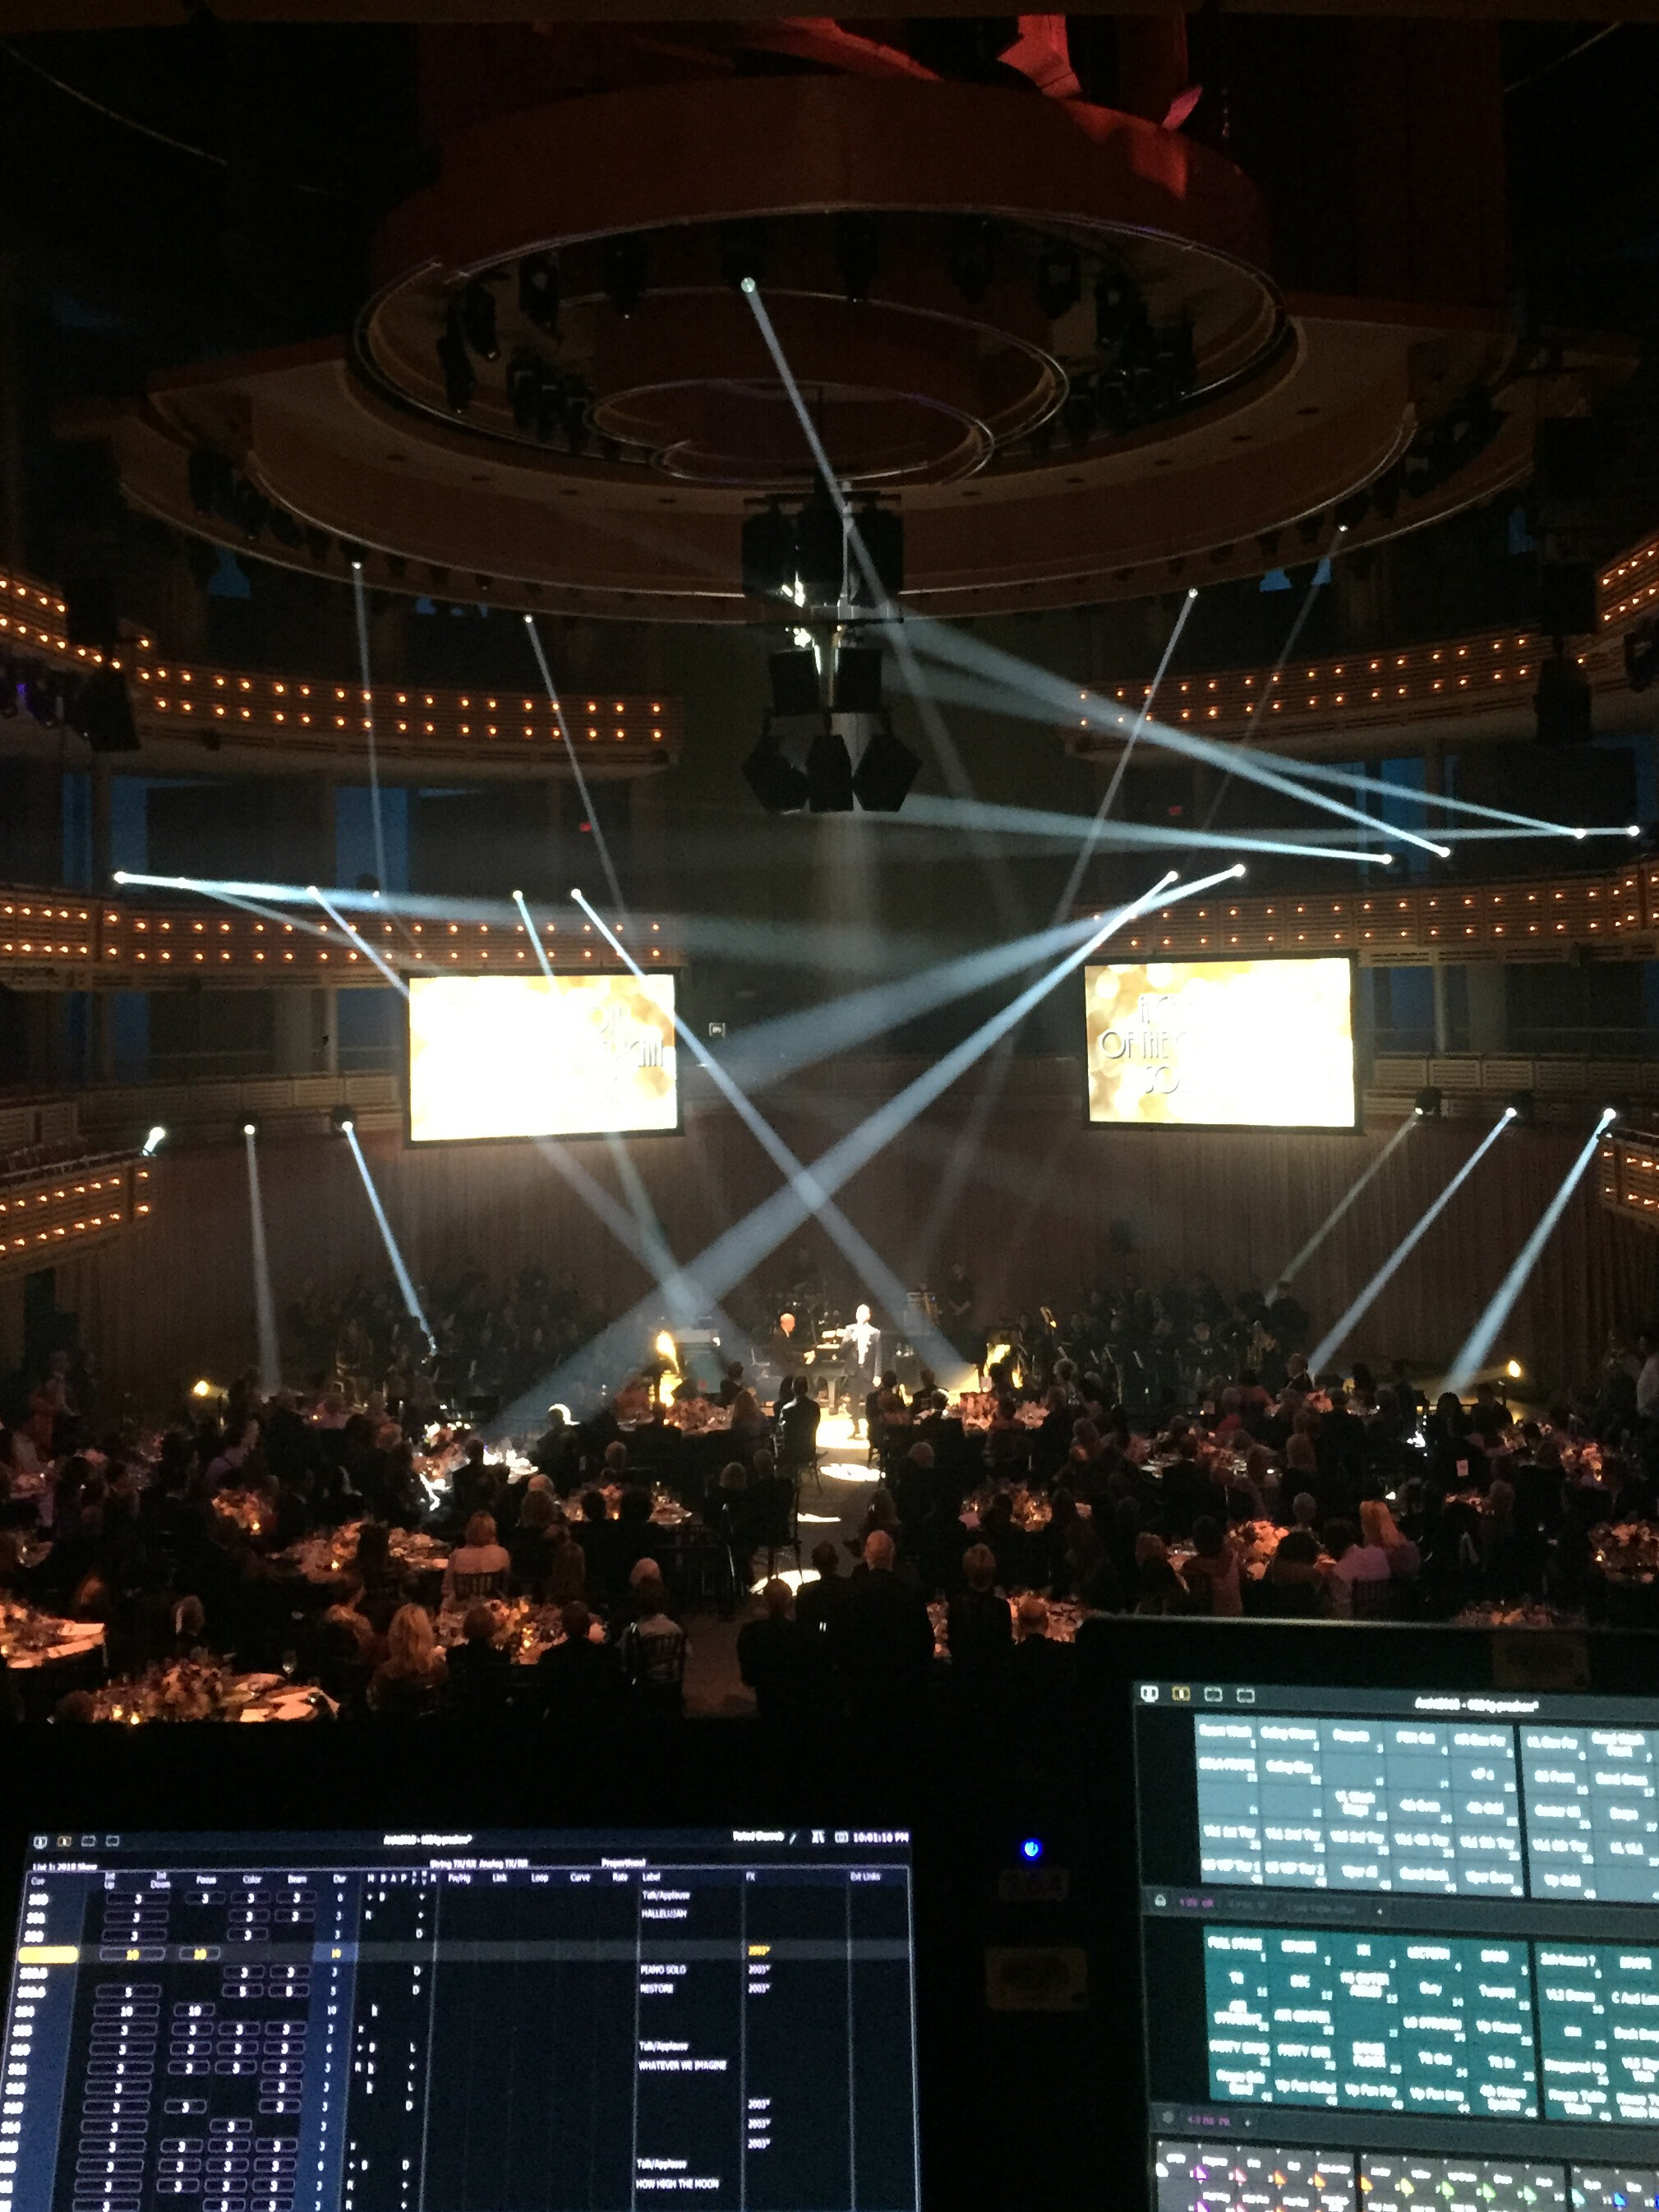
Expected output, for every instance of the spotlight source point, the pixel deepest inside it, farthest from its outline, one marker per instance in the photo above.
(249, 1128)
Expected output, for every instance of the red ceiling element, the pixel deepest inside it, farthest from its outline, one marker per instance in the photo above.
(820, 38)
(1043, 53)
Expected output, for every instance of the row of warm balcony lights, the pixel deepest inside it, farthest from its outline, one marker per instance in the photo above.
(109, 1217)
(1335, 673)
(164, 926)
(1618, 578)
(26, 602)
(304, 716)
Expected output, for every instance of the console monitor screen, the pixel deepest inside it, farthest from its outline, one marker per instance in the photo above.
(1222, 1044)
(1399, 1945)
(510, 2023)
(519, 1057)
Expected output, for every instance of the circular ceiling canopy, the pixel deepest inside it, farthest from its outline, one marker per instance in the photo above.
(1044, 331)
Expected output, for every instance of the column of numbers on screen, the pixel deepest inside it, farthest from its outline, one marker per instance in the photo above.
(389, 2044)
(1429, 1808)
(1400, 2023)
(110, 2164)
(1592, 1813)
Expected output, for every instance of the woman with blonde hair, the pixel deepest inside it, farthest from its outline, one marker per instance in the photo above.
(408, 1684)
(1378, 1526)
(479, 1567)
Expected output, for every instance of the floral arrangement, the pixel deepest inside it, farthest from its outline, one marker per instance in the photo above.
(1626, 1550)
(24, 1629)
(246, 1508)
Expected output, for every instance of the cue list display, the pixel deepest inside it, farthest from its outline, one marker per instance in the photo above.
(1400, 1944)
(280, 2023)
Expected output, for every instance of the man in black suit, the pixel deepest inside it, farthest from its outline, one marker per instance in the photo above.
(888, 1648)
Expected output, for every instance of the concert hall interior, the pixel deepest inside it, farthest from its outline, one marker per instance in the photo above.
(794, 807)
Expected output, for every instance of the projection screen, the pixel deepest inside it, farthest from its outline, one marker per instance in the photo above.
(1226, 1044)
(519, 1057)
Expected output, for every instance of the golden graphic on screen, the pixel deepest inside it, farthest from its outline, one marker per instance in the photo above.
(519, 1057)
(1222, 1044)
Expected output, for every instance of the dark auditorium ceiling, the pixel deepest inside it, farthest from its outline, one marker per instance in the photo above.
(291, 268)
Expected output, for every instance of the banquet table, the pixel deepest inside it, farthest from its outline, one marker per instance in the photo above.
(1624, 1564)
(1064, 1617)
(329, 1554)
(30, 1637)
(523, 1630)
(191, 1691)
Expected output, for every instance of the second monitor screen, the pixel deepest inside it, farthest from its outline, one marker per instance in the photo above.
(1202, 1044)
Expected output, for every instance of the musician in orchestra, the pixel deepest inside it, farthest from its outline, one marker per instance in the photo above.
(861, 1347)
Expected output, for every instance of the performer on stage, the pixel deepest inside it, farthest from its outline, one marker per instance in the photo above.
(862, 1342)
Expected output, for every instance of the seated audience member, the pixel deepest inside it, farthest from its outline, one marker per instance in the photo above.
(410, 1681)
(652, 1652)
(1212, 1573)
(1377, 1526)
(1037, 1667)
(577, 1678)
(888, 1650)
(980, 1630)
(1158, 1588)
(531, 1549)
(820, 1605)
(479, 1567)
(480, 1673)
(1360, 1573)
(797, 1428)
(1295, 1583)
(770, 1659)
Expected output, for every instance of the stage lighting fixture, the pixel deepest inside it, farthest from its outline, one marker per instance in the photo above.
(1427, 1103)
(249, 1129)
(538, 291)
(1642, 655)
(102, 714)
(886, 770)
(821, 563)
(623, 265)
(857, 679)
(155, 1140)
(795, 685)
(1567, 456)
(528, 379)
(881, 532)
(858, 254)
(460, 383)
(1350, 512)
(1120, 310)
(1567, 598)
(1522, 1105)
(343, 1121)
(828, 775)
(1561, 704)
(478, 319)
(778, 784)
(768, 552)
(1080, 414)
(743, 253)
(971, 257)
(1059, 277)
